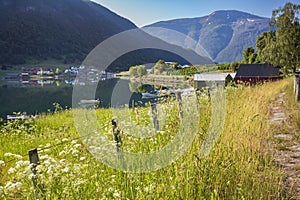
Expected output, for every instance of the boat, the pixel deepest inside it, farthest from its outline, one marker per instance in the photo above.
(152, 94)
(89, 101)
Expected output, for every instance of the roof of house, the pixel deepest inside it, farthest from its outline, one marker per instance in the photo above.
(257, 70)
(212, 76)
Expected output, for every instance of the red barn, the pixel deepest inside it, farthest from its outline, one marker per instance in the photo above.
(257, 73)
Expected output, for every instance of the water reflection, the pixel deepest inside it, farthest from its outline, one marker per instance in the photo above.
(35, 96)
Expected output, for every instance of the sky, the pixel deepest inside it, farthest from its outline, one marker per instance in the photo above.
(144, 12)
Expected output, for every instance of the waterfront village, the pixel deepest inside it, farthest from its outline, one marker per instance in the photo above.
(40, 76)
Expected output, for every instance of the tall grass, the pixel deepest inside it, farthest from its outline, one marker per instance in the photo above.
(238, 167)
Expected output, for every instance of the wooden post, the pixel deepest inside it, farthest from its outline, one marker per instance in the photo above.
(34, 160)
(297, 85)
(116, 133)
(154, 116)
(179, 99)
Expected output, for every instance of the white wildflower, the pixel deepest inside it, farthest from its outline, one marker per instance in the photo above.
(74, 142)
(18, 156)
(82, 158)
(66, 169)
(46, 162)
(146, 189)
(2, 163)
(44, 157)
(31, 176)
(116, 194)
(49, 169)
(8, 185)
(77, 168)
(11, 170)
(65, 139)
(79, 182)
(46, 150)
(8, 154)
(48, 145)
(17, 185)
(62, 153)
(13, 155)
(75, 152)
(62, 161)
(77, 145)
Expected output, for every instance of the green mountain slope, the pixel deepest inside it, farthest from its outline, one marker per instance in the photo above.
(65, 31)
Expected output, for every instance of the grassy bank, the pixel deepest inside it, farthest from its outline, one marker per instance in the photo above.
(238, 167)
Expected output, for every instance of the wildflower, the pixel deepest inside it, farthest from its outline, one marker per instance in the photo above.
(65, 139)
(48, 145)
(8, 154)
(66, 169)
(11, 170)
(62, 153)
(77, 145)
(2, 163)
(31, 176)
(44, 157)
(13, 155)
(17, 185)
(47, 162)
(74, 142)
(116, 194)
(146, 189)
(62, 161)
(79, 182)
(82, 158)
(8, 185)
(75, 152)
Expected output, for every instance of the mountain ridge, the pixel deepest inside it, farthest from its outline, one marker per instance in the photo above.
(223, 34)
(67, 31)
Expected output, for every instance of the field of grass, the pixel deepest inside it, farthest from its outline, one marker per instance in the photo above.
(238, 167)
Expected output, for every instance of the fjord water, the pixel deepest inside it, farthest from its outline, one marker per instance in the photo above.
(37, 99)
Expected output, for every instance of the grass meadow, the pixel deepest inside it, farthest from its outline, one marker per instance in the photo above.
(240, 166)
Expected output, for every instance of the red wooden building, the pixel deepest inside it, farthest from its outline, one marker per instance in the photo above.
(257, 73)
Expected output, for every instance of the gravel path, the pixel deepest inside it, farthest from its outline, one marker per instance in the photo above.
(287, 149)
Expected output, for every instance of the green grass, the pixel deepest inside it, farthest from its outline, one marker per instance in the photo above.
(238, 167)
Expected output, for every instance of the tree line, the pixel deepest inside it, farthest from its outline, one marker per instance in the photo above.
(280, 46)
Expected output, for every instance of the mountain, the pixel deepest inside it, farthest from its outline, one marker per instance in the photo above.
(223, 35)
(66, 31)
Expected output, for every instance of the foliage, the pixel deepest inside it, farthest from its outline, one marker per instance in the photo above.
(281, 47)
(228, 66)
(249, 56)
(188, 71)
(137, 87)
(138, 71)
(160, 67)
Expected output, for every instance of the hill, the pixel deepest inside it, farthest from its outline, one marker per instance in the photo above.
(34, 31)
(223, 34)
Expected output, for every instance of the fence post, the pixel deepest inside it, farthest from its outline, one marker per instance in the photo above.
(179, 99)
(154, 116)
(34, 160)
(297, 85)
